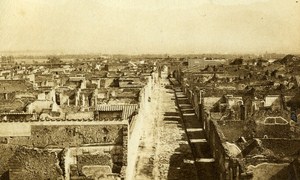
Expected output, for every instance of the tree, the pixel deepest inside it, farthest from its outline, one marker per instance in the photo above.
(54, 60)
(237, 61)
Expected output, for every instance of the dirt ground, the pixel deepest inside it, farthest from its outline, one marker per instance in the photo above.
(164, 152)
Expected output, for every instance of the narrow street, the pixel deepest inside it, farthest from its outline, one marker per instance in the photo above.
(164, 152)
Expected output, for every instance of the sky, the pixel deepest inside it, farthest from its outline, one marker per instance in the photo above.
(150, 26)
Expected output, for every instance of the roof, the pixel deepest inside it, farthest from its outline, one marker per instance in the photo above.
(127, 109)
(7, 86)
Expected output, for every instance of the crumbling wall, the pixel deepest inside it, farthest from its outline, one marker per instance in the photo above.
(14, 85)
(282, 147)
(63, 99)
(70, 135)
(7, 96)
(233, 130)
(273, 131)
(89, 160)
(6, 152)
(34, 164)
(39, 105)
(109, 82)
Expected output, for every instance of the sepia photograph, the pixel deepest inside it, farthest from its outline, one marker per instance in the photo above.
(149, 90)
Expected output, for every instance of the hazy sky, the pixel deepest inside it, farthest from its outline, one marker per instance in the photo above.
(150, 26)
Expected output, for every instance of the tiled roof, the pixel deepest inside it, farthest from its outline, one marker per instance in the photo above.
(127, 109)
(7, 86)
(16, 113)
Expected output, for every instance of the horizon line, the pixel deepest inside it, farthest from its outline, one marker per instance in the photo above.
(57, 53)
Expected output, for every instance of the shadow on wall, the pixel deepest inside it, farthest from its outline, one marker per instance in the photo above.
(180, 166)
(284, 173)
(5, 176)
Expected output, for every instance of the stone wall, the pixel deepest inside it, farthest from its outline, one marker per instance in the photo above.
(214, 137)
(6, 152)
(80, 139)
(233, 130)
(136, 128)
(215, 141)
(90, 160)
(282, 147)
(273, 131)
(34, 164)
(61, 136)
